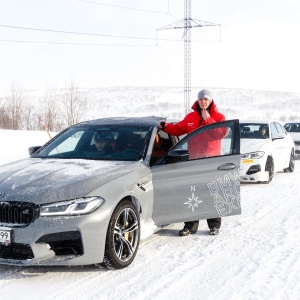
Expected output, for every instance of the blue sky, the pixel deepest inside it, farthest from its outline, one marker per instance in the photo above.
(99, 43)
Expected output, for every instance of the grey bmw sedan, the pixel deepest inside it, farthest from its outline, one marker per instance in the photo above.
(85, 196)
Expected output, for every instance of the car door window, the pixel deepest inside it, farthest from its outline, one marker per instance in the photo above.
(274, 131)
(279, 128)
(216, 140)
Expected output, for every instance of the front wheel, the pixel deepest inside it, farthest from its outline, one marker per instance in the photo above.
(291, 166)
(270, 169)
(123, 237)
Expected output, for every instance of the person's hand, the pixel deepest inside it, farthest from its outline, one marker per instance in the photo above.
(205, 114)
(162, 124)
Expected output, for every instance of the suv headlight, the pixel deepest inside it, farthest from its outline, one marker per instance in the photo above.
(253, 155)
(80, 206)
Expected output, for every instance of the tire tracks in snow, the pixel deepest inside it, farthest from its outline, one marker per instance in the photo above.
(261, 246)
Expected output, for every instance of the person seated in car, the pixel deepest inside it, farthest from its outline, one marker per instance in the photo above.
(104, 142)
(262, 134)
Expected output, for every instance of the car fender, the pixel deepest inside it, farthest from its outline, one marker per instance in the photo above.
(135, 185)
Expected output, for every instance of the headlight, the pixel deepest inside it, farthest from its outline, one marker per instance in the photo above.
(80, 206)
(253, 155)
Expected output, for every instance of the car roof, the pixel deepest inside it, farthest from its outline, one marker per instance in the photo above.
(125, 121)
(292, 122)
(258, 121)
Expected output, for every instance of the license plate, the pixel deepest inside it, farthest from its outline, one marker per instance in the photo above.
(248, 161)
(5, 236)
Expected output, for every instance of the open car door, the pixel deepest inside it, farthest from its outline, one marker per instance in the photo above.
(199, 177)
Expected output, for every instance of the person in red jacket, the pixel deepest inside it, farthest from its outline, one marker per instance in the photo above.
(204, 112)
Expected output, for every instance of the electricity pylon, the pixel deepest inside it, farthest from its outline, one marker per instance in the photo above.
(187, 23)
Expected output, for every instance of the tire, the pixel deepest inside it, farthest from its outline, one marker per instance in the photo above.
(269, 168)
(291, 166)
(123, 237)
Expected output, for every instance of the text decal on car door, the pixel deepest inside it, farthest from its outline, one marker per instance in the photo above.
(226, 193)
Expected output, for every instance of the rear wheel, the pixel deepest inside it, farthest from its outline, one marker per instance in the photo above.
(291, 166)
(123, 237)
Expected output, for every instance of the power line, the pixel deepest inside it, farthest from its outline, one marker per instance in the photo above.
(73, 32)
(125, 7)
(88, 34)
(74, 44)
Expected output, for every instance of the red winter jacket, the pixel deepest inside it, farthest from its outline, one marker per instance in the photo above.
(206, 144)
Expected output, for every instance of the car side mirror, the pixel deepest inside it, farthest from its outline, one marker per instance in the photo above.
(32, 150)
(177, 155)
(279, 137)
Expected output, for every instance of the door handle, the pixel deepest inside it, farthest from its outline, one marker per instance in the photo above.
(227, 166)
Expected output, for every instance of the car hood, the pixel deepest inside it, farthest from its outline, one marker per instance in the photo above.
(41, 181)
(252, 145)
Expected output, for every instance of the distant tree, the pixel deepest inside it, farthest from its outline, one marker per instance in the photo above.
(283, 119)
(4, 118)
(27, 118)
(50, 113)
(15, 104)
(73, 104)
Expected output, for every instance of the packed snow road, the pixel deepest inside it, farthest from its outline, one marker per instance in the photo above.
(256, 256)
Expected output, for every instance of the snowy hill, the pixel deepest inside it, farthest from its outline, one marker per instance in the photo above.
(169, 102)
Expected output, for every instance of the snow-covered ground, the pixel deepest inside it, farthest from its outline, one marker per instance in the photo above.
(256, 255)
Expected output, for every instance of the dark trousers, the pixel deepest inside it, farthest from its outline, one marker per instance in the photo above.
(193, 225)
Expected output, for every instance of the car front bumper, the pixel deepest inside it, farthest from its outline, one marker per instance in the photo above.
(78, 240)
(251, 170)
(257, 177)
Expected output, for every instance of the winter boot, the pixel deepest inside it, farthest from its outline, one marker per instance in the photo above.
(214, 231)
(189, 228)
(184, 232)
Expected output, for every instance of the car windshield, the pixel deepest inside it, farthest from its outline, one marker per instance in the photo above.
(254, 131)
(99, 143)
(292, 127)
